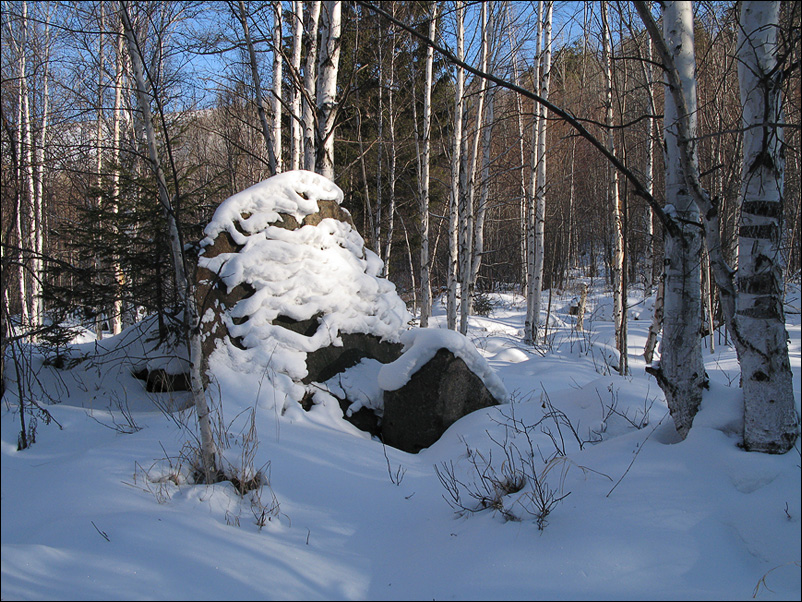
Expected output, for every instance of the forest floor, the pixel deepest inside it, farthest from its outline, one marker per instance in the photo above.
(579, 488)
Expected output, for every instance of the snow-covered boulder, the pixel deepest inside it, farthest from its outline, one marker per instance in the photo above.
(438, 379)
(288, 288)
(289, 293)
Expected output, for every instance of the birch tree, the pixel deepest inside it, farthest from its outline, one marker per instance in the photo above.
(532, 282)
(393, 159)
(453, 212)
(117, 117)
(519, 114)
(681, 372)
(423, 186)
(770, 420)
(278, 74)
(296, 135)
(16, 38)
(310, 85)
(540, 181)
(328, 67)
(469, 158)
(773, 425)
(614, 198)
(484, 184)
(99, 142)
(184, 284)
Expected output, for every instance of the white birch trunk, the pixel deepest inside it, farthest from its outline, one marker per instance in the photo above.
(532, 291)
(649, 169)
(186, 288)
(380, 150)
(481, 207)
(296, 136)
(328, 66)
(540, 190)
(393, 155)
(770, 420)
(681, 372)
(27, 161)
(519, 114)
(117, 313)
(425, 284)
(310, 86)
(453, 213)
(23, 237)
(467, 210)
(99, 155)
(34, 208)
(38, 172)
(614, 197)
(278, 75)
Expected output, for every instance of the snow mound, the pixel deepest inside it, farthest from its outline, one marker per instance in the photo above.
(316, 271)
(294, 193)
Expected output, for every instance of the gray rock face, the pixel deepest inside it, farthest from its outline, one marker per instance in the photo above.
(440, 393)
(328, 361)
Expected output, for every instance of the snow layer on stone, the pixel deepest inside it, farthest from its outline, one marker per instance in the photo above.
(293, 193)
(360, 384)
(422, 344)
(321, 271)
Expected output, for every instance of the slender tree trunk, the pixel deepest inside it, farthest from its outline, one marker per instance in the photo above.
(770, 420)
(98, 201)
(328, 66)
(296, 136)
(119, 67)
(369, 226)
(39, 165)
(393, 152)
(257, 84)
(540, 191)
(614, 197)
(185, 286)
(521, 155)
(453, 213)
(278, 75)
(468, 186)
(681, 372)
(425, 284)
(484, 186)
(649, 169)
(23, 238)
(376, 232)
(310, 86)
(33, 290)
(532, 284)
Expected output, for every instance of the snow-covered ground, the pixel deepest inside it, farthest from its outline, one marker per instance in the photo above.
(100, 506)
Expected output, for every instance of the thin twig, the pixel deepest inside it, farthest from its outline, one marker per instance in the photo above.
(636, 454)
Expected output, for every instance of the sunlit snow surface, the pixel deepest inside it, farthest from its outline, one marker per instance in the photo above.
(100, 506)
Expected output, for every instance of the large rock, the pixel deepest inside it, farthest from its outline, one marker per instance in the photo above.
(439, 378)
(440, 393)
(288, 289)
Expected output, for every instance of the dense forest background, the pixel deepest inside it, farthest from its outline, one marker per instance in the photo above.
(84, 237)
